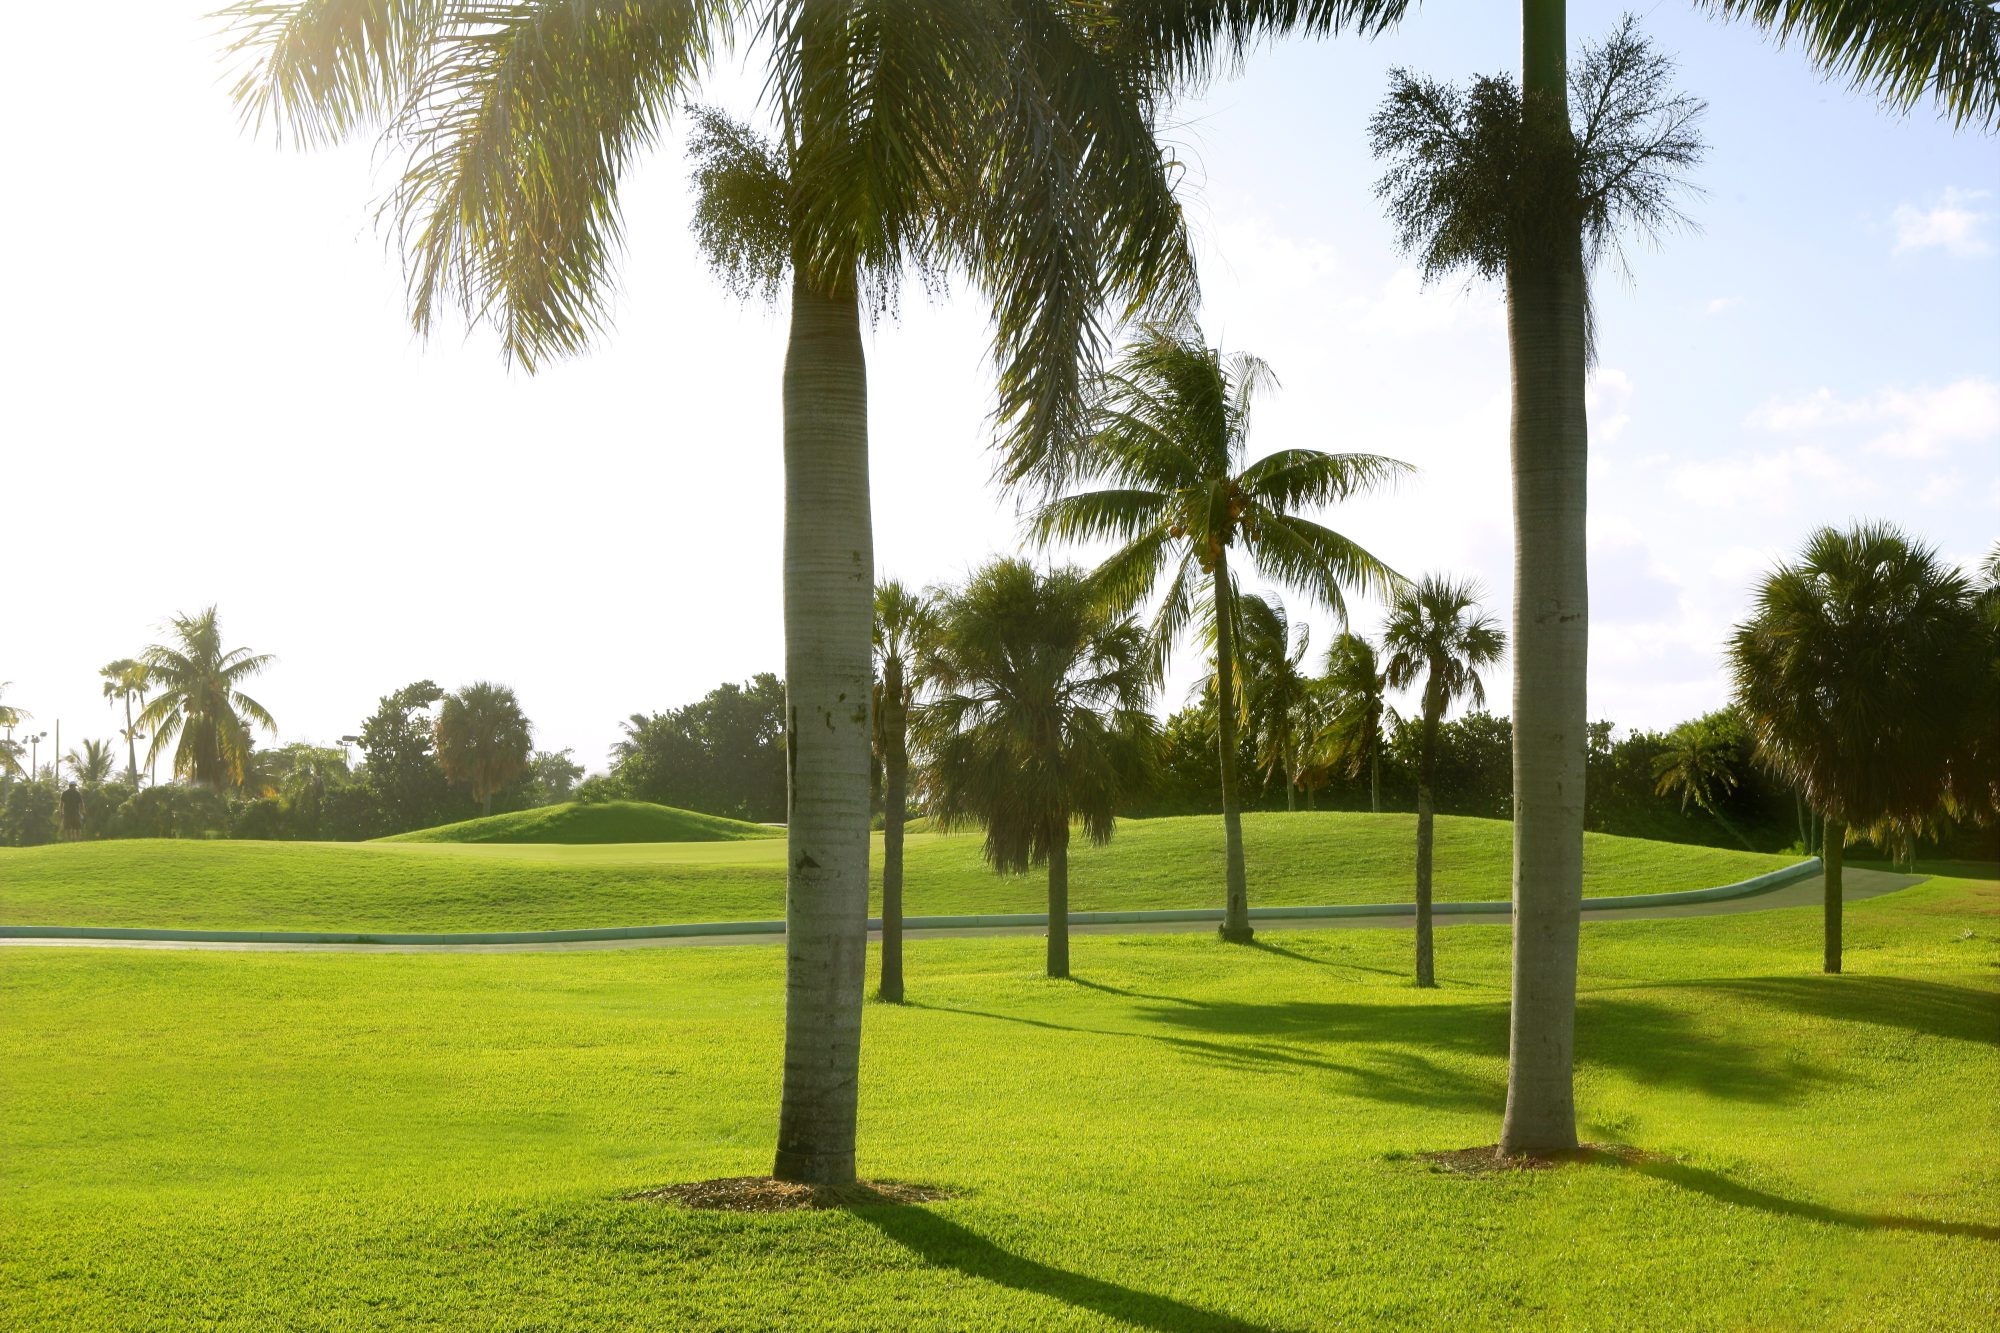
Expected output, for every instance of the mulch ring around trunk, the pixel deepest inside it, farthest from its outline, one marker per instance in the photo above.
(1487, 1161)
(762, 1194)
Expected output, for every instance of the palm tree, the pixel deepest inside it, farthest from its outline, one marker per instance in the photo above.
(125, 680)
(1358, 711)
(1700, 764)
(1039, 720)
(10, 749)
(200, 701)
(1009, 139)
(1169, 429)
(483, 739)
(1436, 634)
(92, 764)
(1856, 673)
(1275, 693)
(1903, 55)
(905, 624)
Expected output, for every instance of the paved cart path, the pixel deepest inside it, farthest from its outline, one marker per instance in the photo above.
(1855, 884)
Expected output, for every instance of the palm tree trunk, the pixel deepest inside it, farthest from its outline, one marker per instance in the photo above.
(1426, 975)
(895, 785)
(486, 804)
(1059, 904)
(131, 748)
(1546, 299)
(1375, 778)
(1836, 846)
(829, 572)
(1236, 899)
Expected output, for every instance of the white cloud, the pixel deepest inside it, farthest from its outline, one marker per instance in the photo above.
(1953, 224)
(1769, 482)
(1406, 307)
(1722, 304)
(1607, 402)
(1923, 422)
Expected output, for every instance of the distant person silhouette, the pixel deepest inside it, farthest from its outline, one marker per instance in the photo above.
(72, 813)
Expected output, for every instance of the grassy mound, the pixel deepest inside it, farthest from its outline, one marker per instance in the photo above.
(1187, 1137)
(607, 821)
(1325, 857)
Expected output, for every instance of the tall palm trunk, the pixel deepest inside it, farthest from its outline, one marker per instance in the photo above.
(1836, 848)
(1546, 300)
(1426, 975)
(1375, 777)
(895, 788)
(1236, 901)
(1059, 903)
(829, 571)
(131, 747)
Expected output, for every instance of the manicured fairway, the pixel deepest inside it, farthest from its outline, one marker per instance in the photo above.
(1294, 859)
(1187, 1136)
(605, 821)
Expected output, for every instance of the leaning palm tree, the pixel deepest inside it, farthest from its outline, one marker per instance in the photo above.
(1274, 691)
(906, 622)
(1358, 715)
(92, 763)
(125, 681)
(1010, 140)
(1856, 674)
(1039, 721)
(198, 707)
(1169, 430)
(483, 739)
(1436, 634)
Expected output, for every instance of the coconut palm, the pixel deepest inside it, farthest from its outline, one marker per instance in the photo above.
(10, 749)
(1856, 673)
(1358, 715)
(1011, 140)
(1038, 721)
(1437, 636)
(125, 681)
(92, 763)
(905, 623)
(1699, 763)
(198, 707)
(1949, 52)
(1169, 429)
(483, 739)
(1273, 690)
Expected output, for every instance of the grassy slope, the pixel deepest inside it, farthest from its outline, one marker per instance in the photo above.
(1296, 858)
(607, 821)
(1187, 1137)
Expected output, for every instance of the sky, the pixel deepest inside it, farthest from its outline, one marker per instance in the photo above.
(210, 394)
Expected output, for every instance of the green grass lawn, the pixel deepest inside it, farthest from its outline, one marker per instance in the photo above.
(1188, 1136)
(1293, 859)
(604, 821)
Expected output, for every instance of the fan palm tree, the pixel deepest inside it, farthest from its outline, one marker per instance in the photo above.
(1358, 715)
(1700, 764)
(10, 749)
(125, 681)
(1949, 52)
(1011, 140)
(1856, 673)
(92, 764)
(1274, 690)
(1436, 634)
(199, 701)
(905, 624)
(1168, 429)
(1038, 721)
(483, 739)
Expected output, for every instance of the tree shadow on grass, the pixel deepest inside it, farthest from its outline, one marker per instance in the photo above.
(1724, 1190)
(945, 1244)
(1929, 1008)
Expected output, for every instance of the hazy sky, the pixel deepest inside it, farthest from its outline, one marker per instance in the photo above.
(211, 393)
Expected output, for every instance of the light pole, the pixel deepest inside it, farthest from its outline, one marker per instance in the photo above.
(35, 755)
(345, 757)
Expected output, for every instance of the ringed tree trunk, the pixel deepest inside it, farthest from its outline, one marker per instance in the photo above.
(1546, 302)
(895, 787)
(131, 747)
(829, 573)
(1426, 974)
(1375, 777)
(1059, 903)
(1836, 847)
(1236, 900)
